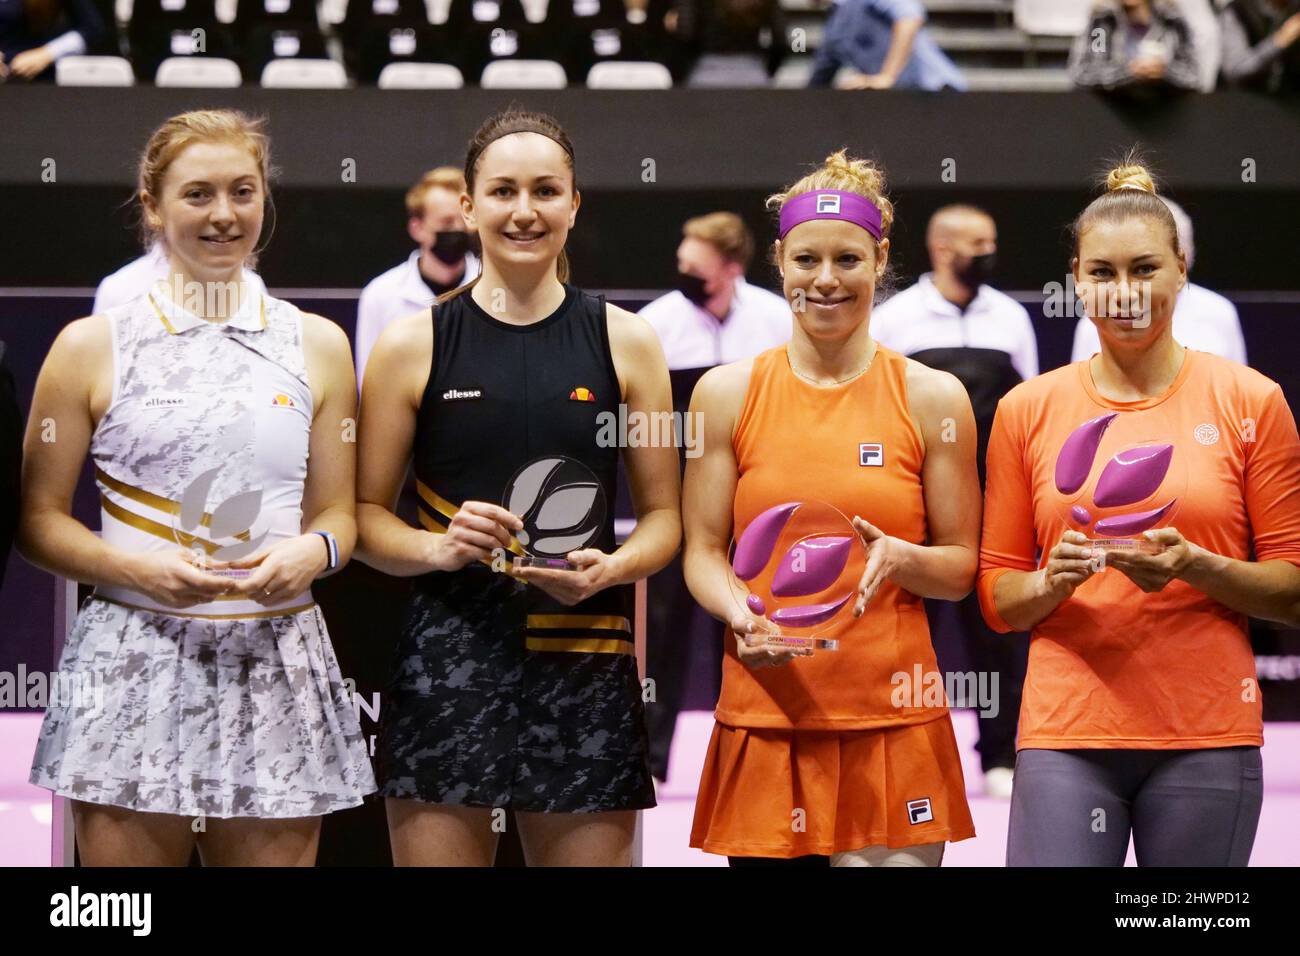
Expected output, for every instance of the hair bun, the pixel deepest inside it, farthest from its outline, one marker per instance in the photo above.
(1130, 176)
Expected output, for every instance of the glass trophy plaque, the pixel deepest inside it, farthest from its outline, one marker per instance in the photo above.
(562, 505)
(796, 569)
(1113, 487)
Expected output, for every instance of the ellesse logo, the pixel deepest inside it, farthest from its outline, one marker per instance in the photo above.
(164, 401)
(458, 395)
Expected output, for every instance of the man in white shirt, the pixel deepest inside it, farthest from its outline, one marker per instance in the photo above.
(953, 320)
(139, 276)
(714, 316)
(132, 280)
(441, 263)
(1203, 320)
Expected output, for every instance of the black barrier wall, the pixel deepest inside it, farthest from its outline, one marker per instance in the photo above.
(648, 160)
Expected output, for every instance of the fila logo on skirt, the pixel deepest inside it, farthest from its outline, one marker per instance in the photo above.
(919, 811)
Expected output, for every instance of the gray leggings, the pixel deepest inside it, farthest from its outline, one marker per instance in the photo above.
(1183, 807)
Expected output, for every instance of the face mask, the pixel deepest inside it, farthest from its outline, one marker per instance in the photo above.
(450, 247)
(978, 269)
(692, 287)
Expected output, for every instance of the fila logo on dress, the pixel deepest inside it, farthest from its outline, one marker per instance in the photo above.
(871, 454)
(919, 811)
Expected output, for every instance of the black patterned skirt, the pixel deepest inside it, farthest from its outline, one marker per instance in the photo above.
(477, 713)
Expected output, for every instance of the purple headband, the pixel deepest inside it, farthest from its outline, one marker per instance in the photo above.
(831, 204)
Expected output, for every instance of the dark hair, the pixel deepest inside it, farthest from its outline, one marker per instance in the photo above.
(1130, 192)
(505, 123)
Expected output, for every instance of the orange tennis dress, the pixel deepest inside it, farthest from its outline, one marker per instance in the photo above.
(825, 755)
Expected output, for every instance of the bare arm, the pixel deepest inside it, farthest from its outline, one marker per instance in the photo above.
(390, 400)
(654, 476)
(329, 493)
(73, 391)
(710, 489)
(945, 566)
(900, 46)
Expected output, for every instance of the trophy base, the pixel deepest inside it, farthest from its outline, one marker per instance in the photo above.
(797, 643)
(230, 572)
(553, 564)
(1123, 544)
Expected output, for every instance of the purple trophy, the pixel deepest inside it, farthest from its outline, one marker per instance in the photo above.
(1137, 488)
(796, 569)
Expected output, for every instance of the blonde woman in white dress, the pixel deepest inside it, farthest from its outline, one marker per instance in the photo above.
(202, 403)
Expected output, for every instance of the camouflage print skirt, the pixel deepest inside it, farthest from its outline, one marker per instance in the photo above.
(166, 714)
(473, 717)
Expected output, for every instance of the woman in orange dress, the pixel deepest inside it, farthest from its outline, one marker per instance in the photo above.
(834, 757)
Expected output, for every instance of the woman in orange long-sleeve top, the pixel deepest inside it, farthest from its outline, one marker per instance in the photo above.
(1141, 711)
(819, 758)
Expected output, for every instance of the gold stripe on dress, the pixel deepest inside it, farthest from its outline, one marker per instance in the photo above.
(448, 510)
(152, 500)
(149, 526)
(571, 622)
(170, 328)
(211, 617)
(580, 645)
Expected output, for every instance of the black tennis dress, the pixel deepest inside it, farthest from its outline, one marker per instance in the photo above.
(500, 695)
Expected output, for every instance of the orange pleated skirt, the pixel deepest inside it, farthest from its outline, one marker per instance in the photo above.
(787, 793)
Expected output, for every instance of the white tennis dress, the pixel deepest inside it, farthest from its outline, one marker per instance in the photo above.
(230, 708)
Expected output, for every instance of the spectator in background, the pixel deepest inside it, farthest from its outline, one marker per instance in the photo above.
(715, 316)
(731, 43)
(1138, 46)
(1204, 26)
(11, 457)
(1203, 320)
(36, 33)
(441, 263)
(954, 321)
(885, 43)
(1259, 44)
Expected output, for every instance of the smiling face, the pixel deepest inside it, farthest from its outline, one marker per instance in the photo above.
(1128, 276)
(209, 209)
(524, 203)
(831, 268)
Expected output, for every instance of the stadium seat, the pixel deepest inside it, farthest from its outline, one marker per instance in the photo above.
(523, 75)
(93, 71)
(629, 75)
(161, 29)
(1052, 17)
(268, 40)
(378, 32)
(212, 72)
(420, 76)
(301, 73)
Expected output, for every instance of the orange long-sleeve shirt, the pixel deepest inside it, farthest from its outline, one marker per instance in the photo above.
(1217, 456)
